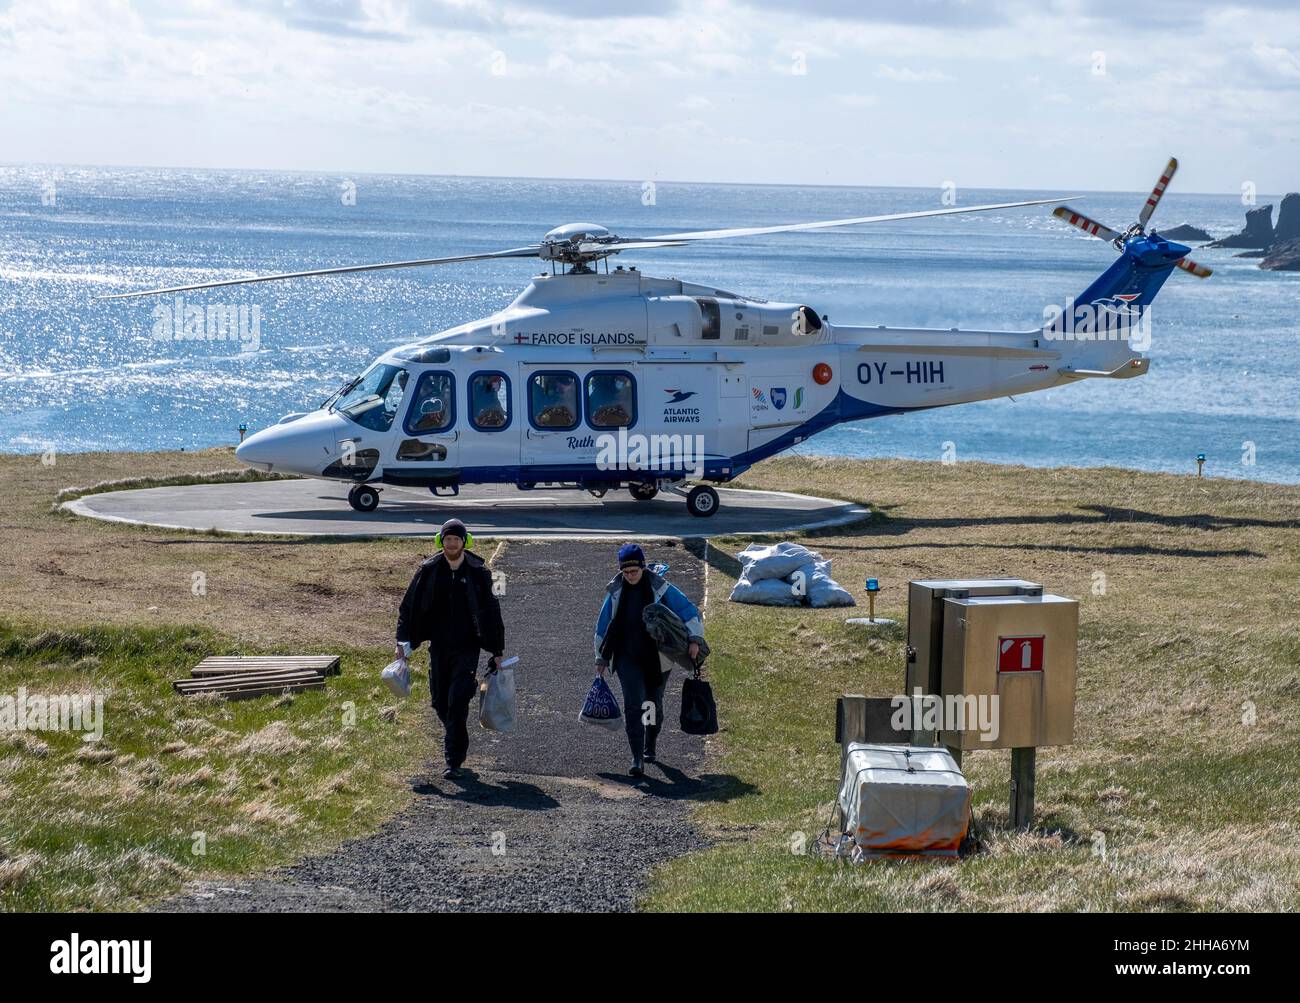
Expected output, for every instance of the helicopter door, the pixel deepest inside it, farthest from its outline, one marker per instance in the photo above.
(426, 445)
(733, 412)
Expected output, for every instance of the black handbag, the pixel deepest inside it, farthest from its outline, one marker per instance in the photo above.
(699, 710)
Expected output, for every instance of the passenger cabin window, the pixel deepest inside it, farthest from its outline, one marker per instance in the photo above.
(611, 400)
(433, 408)
(489, 401)
(553, 400)
(372, 402)
(710, 320)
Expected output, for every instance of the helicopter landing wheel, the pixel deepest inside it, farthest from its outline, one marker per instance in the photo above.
(363, 498)
(702, 501)
(643, 492)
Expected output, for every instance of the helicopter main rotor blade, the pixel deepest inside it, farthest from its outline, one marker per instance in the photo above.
(626, 244)
(1158, 191)
(1085, 224)
(517, 252)
(754, 231)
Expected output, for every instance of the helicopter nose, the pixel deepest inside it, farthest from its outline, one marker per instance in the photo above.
(303, 446)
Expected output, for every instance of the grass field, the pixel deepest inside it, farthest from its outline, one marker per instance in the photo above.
(1180, 790)
(117, 610)
(1184, 767)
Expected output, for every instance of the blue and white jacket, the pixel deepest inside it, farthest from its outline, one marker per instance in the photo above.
(664, 592)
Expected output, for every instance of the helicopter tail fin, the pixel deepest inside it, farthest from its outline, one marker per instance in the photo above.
(1112, 316)
(1142, 268)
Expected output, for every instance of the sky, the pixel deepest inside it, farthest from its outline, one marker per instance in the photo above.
(1044, 94)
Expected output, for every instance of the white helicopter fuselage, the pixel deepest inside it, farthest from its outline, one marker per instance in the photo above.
(604, 380)
(585, 368)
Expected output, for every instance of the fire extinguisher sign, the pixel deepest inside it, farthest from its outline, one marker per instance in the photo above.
(1020, 654)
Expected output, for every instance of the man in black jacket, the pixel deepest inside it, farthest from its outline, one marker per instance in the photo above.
(450, 604)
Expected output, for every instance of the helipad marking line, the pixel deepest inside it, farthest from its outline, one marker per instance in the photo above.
(553, 525)
(704, 602)
(846, 515)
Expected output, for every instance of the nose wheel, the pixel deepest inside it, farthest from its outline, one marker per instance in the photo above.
(363, 498)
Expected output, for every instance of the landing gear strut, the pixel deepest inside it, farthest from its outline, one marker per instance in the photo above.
(363, 498)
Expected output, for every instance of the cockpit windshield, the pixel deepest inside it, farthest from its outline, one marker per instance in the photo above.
(372, 402)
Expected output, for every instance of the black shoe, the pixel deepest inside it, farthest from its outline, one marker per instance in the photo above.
(649, 756)
(635, 769)
(450, 773)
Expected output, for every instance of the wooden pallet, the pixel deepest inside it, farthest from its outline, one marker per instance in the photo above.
(225, 665)
(237, 677)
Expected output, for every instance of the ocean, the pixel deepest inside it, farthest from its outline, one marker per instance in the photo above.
(81, 373)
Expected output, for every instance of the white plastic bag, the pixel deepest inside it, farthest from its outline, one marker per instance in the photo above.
(822, 589)
(397, 677)
(768, 592)
(496, 699)
(778, 560)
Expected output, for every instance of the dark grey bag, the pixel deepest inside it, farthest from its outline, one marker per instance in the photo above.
(670, 635)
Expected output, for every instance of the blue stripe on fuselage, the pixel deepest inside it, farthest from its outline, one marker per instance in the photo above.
(843, 408)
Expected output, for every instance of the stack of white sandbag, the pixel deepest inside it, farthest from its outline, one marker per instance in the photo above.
(787, 574)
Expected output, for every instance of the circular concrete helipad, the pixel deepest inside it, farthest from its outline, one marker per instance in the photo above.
(320, 508)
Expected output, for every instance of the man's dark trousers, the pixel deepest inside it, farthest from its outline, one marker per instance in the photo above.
(452, 685)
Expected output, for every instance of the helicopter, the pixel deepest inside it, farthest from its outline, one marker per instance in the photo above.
(603, 380)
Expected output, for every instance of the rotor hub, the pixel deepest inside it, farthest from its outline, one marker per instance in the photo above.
(566, 243)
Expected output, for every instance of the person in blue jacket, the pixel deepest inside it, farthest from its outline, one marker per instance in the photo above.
(621, 639)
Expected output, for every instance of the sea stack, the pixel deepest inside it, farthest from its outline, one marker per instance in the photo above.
(1258, 233)
(1283, 254)
(1185, 233)
(1288, 220)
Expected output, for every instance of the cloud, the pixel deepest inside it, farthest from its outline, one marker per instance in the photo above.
(938, 14)
(706, 91)
(1276, 61)
(904, 75)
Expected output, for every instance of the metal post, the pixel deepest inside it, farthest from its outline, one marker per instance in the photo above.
(1022, 787)
(850, 723)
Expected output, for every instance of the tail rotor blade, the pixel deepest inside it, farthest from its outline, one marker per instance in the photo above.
(1084, 223)
(1200, 271)
(1158, 191)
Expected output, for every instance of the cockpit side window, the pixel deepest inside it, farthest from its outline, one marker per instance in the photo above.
(374, 400)
(433, 407)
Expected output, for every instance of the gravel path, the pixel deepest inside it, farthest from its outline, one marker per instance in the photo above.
(544, 819)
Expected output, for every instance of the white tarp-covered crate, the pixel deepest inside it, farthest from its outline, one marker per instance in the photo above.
(904, 799)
